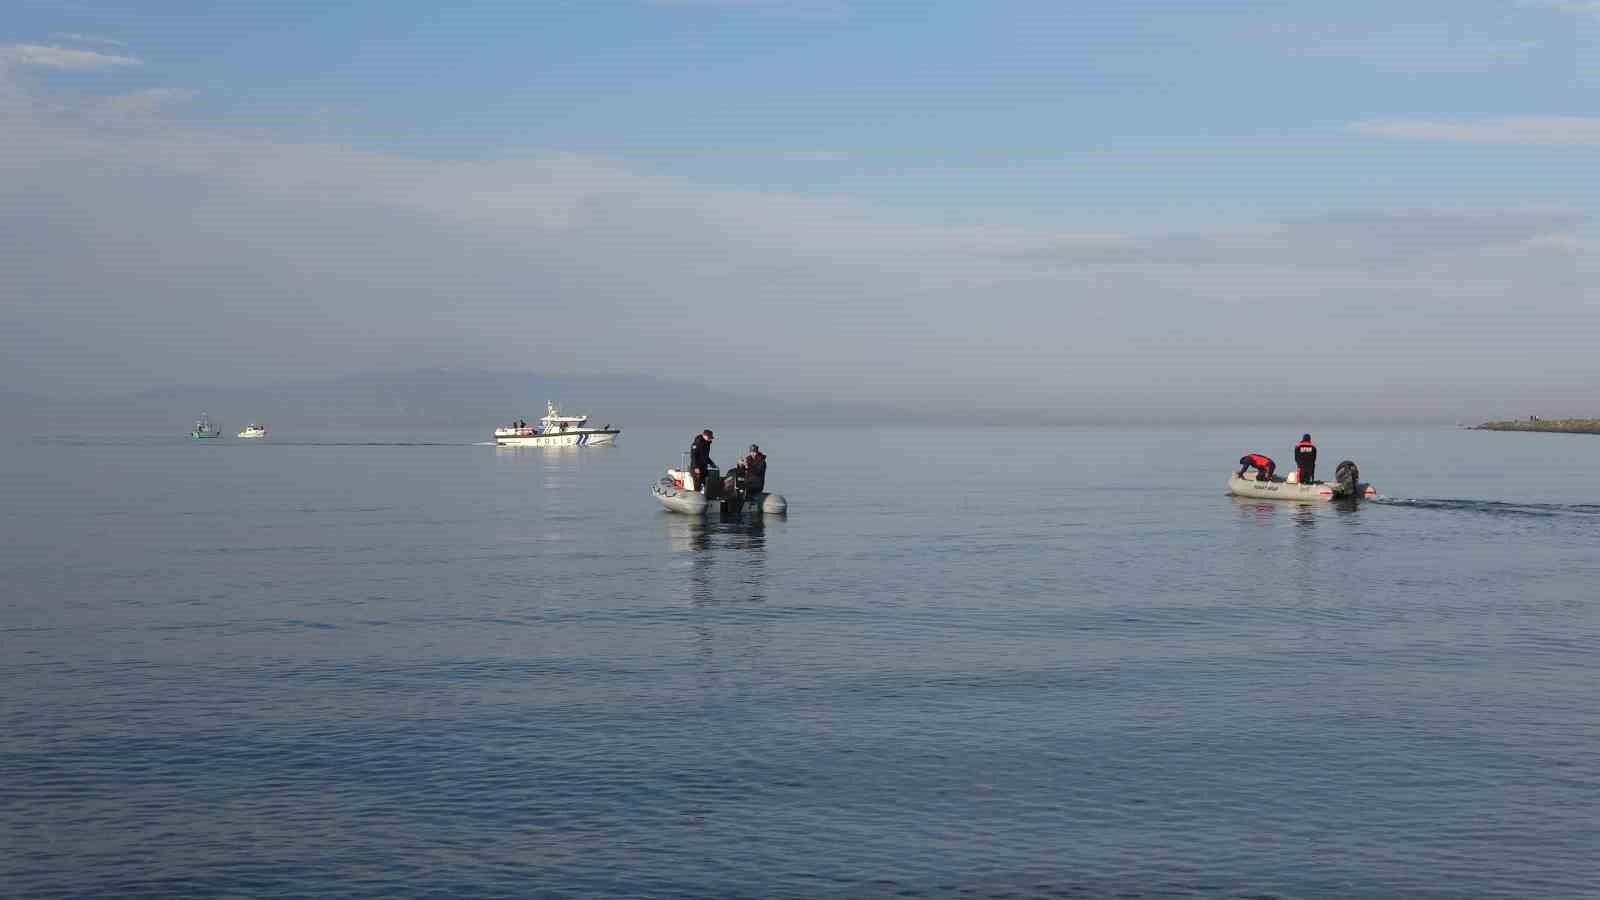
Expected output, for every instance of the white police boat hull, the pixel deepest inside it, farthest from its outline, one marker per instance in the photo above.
(585, 438)
(675, 493)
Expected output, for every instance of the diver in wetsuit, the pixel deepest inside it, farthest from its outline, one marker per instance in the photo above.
(1305, 459)
(1263, 465)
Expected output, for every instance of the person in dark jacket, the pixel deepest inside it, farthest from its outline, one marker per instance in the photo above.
(755, 470)
(700, 458)
(1305, 459)
(1263, 464)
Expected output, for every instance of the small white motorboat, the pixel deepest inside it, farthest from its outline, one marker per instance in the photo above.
(254, 431)
(1347, 485)
(556, 430)
(676, 491)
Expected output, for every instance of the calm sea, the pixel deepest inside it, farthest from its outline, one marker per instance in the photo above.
(1016, 663)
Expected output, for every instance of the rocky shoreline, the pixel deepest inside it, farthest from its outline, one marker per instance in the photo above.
(1557, 426)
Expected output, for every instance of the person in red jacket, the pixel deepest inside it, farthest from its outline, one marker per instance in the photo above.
(1305, 459)
(1263, 464)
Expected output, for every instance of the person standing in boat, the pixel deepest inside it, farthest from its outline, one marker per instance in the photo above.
(700, 458)
(1305, 459)
(755, 470)
(1264, 465)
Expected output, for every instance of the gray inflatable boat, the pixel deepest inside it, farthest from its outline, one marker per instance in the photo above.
(1347, 485)
(676, 492)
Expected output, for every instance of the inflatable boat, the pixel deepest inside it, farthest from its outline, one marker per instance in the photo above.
(676, 492)
(1347, 485)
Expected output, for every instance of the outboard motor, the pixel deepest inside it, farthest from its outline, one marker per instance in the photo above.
(713, 483)
(734, 490)
(1348, 475)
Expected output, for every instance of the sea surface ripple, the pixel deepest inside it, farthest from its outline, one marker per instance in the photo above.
(1004, 663)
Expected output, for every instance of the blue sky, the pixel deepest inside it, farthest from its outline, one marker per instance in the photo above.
(1218, 143)
(1042, 107)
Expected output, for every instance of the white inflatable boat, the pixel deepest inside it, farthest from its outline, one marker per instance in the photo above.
(1346, 486)
(676, 491)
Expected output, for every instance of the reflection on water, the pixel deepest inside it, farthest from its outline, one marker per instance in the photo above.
(561, 467)
(699, 534)
(1257, 512)
(687, 534)
(724, 558)
(1300, 514)
(544, 490)
(720, 570)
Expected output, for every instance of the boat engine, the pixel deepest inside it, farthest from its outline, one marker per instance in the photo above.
(713, 483)
(1348, 475)
(735, 488)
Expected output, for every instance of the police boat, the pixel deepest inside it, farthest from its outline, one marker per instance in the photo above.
(556, 430)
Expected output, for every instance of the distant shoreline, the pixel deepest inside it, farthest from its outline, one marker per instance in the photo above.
(1554, 426)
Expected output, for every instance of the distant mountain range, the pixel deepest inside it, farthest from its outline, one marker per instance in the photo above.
(431, 397)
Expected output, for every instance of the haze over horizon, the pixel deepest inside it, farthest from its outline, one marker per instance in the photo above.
(1147, 212)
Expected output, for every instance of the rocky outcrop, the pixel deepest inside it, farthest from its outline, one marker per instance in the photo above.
(1533, 423)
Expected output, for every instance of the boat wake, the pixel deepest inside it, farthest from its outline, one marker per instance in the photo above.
(1498, 508)
(277, 443)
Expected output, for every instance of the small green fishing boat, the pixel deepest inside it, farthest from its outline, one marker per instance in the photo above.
(205, 429)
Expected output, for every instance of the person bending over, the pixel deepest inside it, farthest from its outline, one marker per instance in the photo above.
(1264, 466)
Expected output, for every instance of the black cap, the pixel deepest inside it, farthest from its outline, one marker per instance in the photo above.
(707, 433)
(1305, 437)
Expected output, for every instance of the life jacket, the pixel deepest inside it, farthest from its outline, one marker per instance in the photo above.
(1260, 462)
(1302, 444)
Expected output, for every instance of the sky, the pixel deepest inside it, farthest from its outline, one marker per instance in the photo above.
(1141, 211)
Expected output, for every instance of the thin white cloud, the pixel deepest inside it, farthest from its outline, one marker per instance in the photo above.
(1589, 8)
(1565, 243)
(1514, 51)
(88, 39)
(189, 250)
(61, 57)
(1353, 241)
(146, 100)
(1539, 130)
(815, 156)
(720, 3)
(816, 9)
